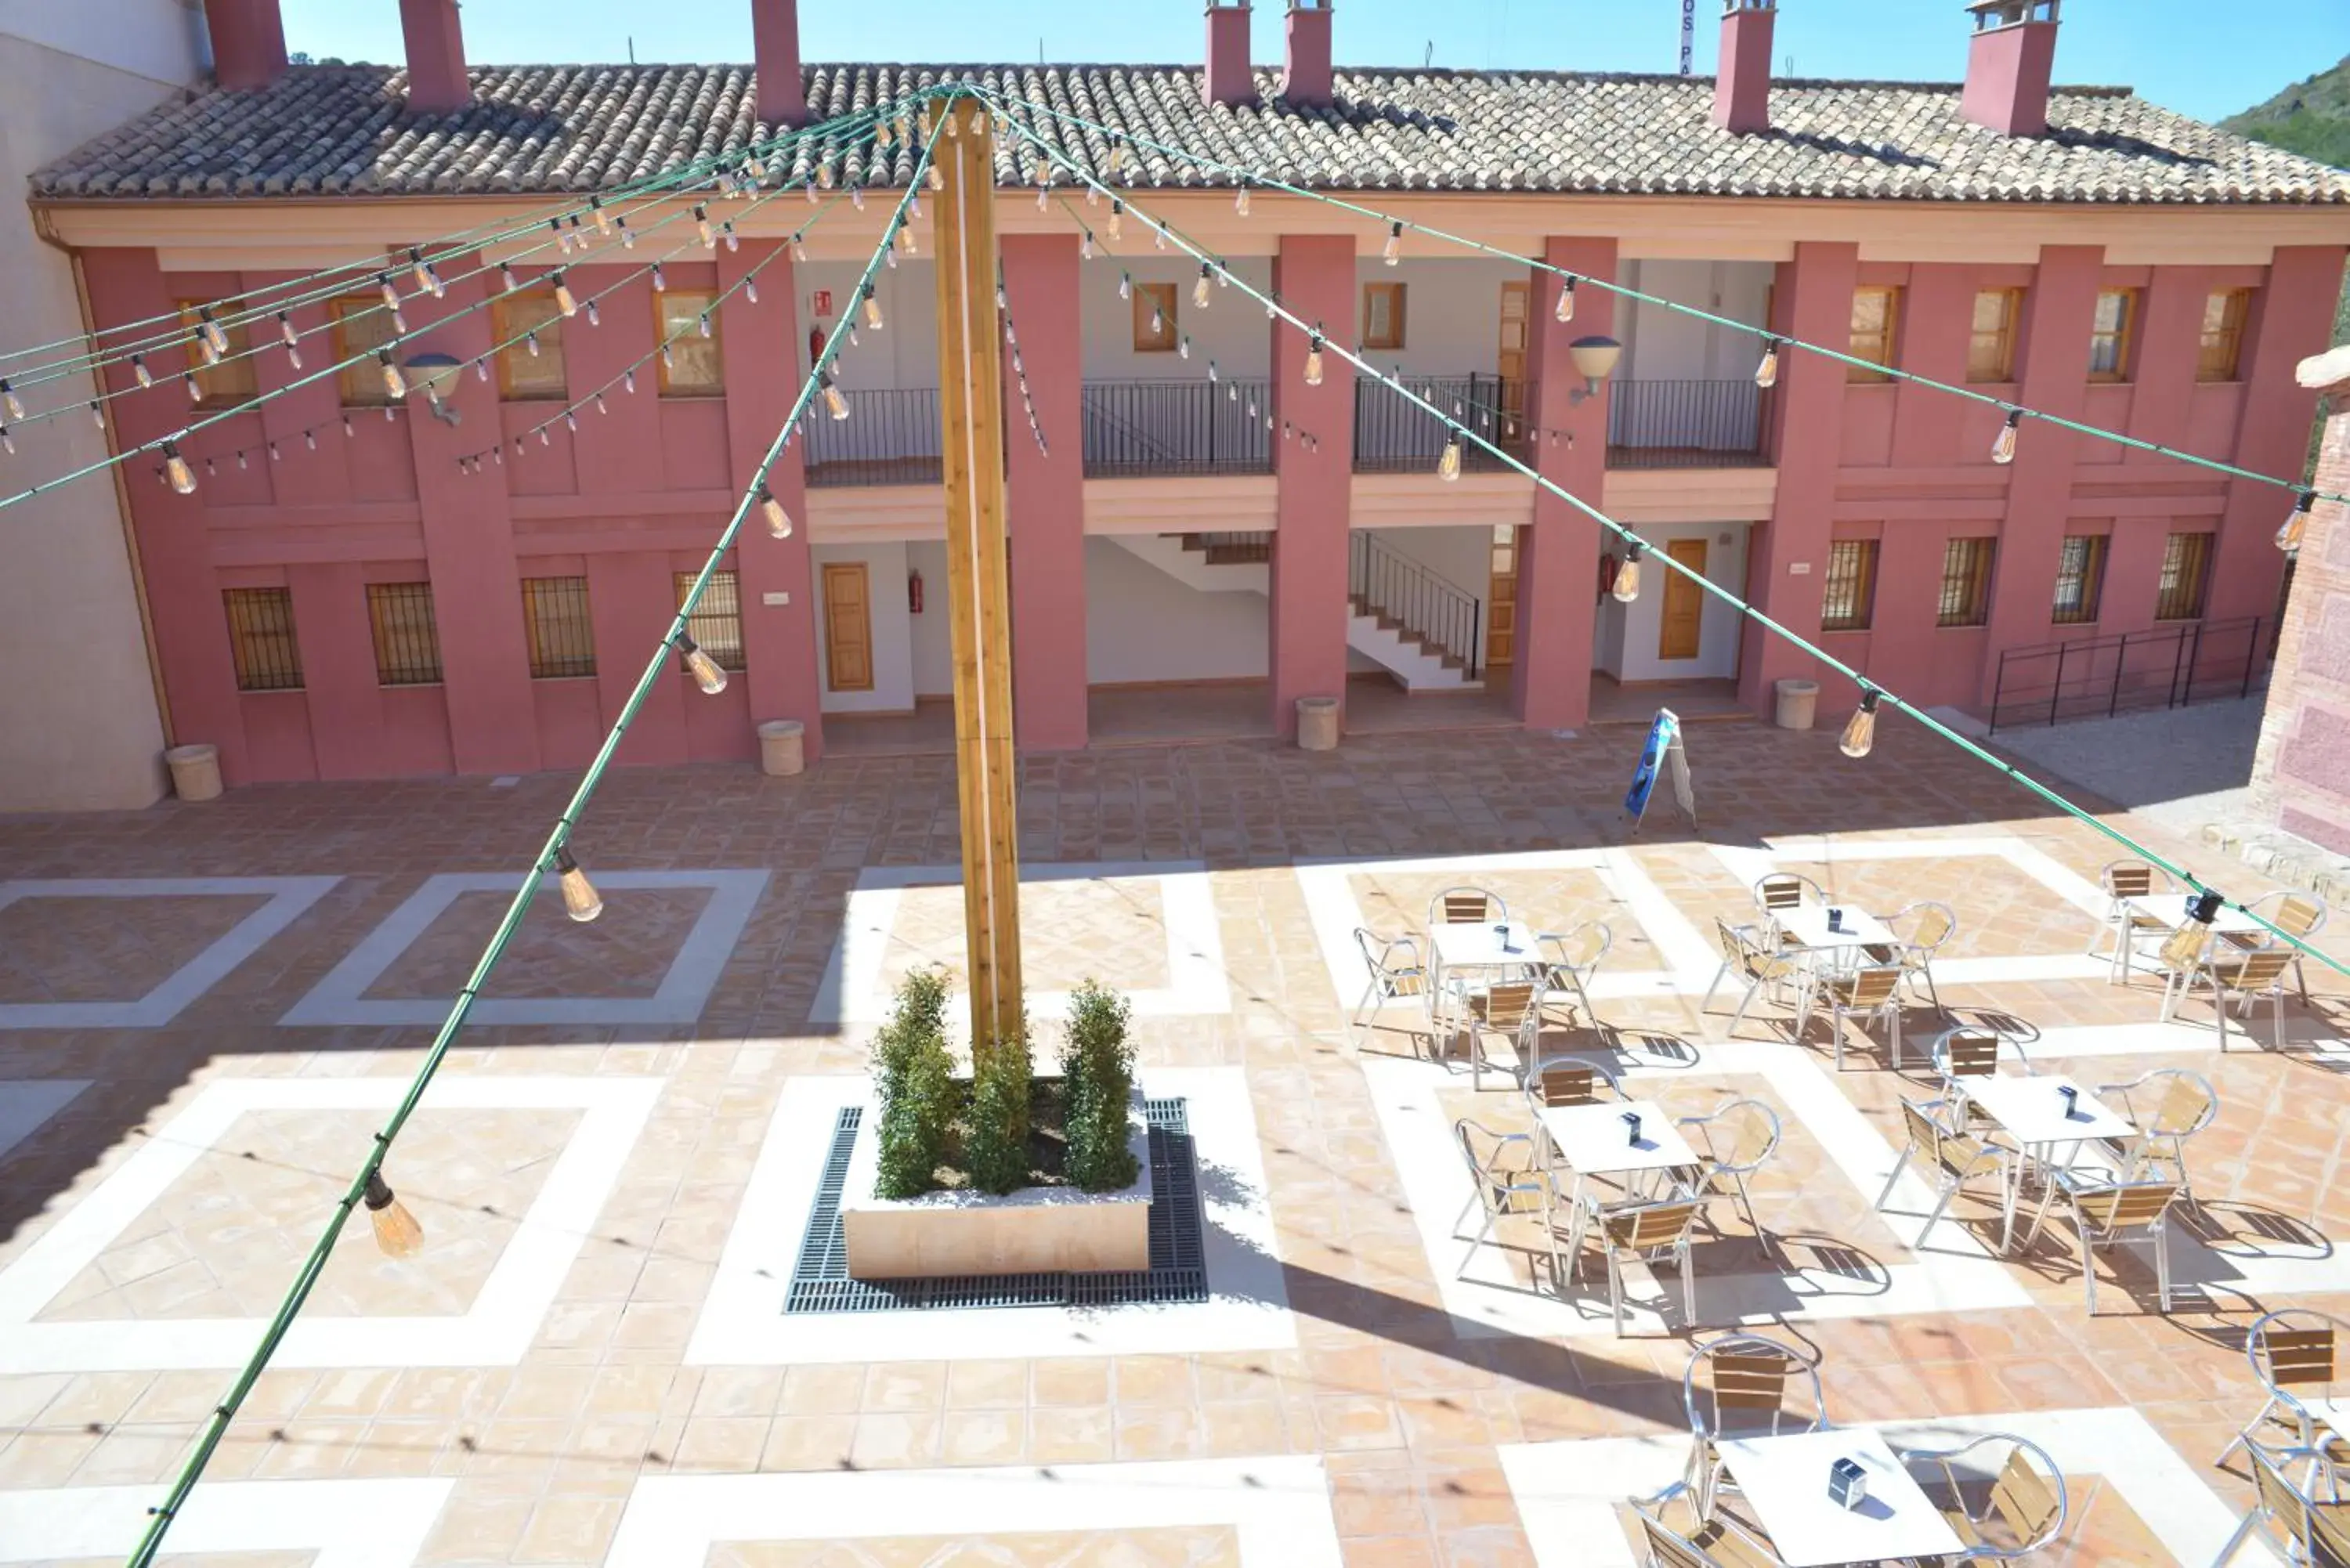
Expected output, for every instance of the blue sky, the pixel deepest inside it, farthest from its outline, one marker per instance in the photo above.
(2207, 58)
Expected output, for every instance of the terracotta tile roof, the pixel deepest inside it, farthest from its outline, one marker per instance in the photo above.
(537, 129)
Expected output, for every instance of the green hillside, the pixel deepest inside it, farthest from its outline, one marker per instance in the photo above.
(2310, 118)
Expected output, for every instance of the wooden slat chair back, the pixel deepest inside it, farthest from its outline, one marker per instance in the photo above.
(1394, 961)
(1504, 1008)
(1970, 1053)
(1869, 988)
(1648, 1226)
(1568, 1083)
(1466, 907)
(1959, 1155)
(2257, 971)
(2298, 916)
(2128, 879)
(1780, 892)
(2298, 1355)
(1667, 1550)
(2026, 1501)
(2186, 1107)
(2125, 1207)
(1935, 923)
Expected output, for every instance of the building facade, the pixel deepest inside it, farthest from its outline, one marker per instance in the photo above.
(364, 604)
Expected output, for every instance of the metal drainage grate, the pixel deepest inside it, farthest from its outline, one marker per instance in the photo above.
(820, 1282)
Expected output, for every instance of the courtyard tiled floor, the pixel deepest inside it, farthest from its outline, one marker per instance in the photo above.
(587, 1364)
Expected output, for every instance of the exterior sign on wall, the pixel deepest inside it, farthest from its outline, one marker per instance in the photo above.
(1662, 751)
(820, 302)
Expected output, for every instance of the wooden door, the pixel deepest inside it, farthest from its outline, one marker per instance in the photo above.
(848, 627)
(1511, 363)
(1684, 611)
(1501, 600)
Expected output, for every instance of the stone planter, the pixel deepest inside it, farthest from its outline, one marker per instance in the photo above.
(1035, 1230)
(781, 744)
(1317, 723)
(196, 772)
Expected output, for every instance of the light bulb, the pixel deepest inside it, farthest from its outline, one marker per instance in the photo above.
(701, 667)
(856, 197)
(397, 1233)
(213, 335)
(629, 380)
(96, 414)
(733, 240)
(482, 369)
(507, 279)
(595, 316)
(669, 356)
(1767, 374)
(176, 469)
(701, 227)
(1448, 467)
(195, 389)
(2288, 538)
(937, 178)
(799, 249)
(835, 404)
(906, 241)
(2186, 944)
(285, 333)
(1158, 321)
(562, 240)
(1314, 361)
(393, 383)
(661, 279)
(530, 341)
(399, 322)
(751, 290)
(1085, 247)
(139, 370)
(1241, 202)
(1199, 289)
(1184, 348)
(627, 234)
(1126, 286)
(1159, 231)
(1627, 575)
(779, 521)
(211, 355)
(603, 219)
(872, 309)
(418, 271)
(1860, 729)
(564, 299)
(391, 295)
(580, 899)
(600, 406)
(702, 324)
(1393, 253)
(2003, 449)
(1116, 219)
(570, 421)
(1565, 311)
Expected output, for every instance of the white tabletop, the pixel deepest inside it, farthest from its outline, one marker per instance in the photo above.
(2335, 1413)
(1593, 1140)
(1785, 1481)
(1482, 946)
(1808, 924)
(2032, 1111)
(2170, 909)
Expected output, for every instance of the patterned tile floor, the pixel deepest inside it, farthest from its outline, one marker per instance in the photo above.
(1379, 1430)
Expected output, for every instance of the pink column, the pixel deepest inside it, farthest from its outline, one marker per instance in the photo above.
(632, 598)
(2058, 313)
(762, 375)
(302, 476)
(618, 452)
(469, 551)
(338, 676)
(183, 594)
(1047, 494)
(1550, 686)
(1937, 322)
(1314, 277)
(2170, 344)
(2292, 320)
(1813, 301)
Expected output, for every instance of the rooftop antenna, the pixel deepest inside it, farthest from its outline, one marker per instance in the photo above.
(1428, 59)
(1689, 33)
(632, 49)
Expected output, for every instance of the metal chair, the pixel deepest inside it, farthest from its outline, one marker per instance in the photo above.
(1514, 1010)
(2294, 1351)
(1785, 890)
(2124, 880)
(2240, 977)
(1743, 1393)
(1397, 971)
(1760, 964)
(1514, 1194)
(1678, 1535)
(1956, 1158)
(1928, 925)
(2309, 1534)
(2188, 1104)
(1569, 1081)
(2024, 1508)
(1869, 994)
(1571, 961)
(1639, 1231)
(2294, 914)
(1751, 1130)
(1466, 905)
(1962, 1054)
(2103, 1211)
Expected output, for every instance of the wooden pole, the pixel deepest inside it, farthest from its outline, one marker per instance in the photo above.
(979, 605)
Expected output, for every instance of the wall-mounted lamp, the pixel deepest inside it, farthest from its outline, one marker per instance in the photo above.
(434, 373)
(1595, 359)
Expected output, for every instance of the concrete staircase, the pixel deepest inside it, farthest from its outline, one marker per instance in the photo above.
(1211, 564)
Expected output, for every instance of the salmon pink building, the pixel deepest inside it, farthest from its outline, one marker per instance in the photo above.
(346, 594)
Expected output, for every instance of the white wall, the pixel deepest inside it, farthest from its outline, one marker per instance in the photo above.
(1232, 330)
(1143, 625)
(893, 648)
(1623, 639)
(1460, 556)
(932, 644)
(1452, 314)
(1661, 345)
(905, 352)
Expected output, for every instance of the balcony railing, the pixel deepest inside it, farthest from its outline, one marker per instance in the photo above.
(1685, 424)
(891, 437)
(2097, 677)
(1137, 429)
(1395, 435)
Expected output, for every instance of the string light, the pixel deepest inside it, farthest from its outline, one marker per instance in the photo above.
(1565, 311)
(1767, 374)
(564, 299)
(856, 197)
(1860, 731)
(140, 372)
(393, 383)
(176, 470)
(530, 341)
(1448, 467)
(627, 234)
(1393, 253)
(580, 899)
(603, 219)
(873, 309)
(2002, 448)
(1116, 220)
(397, 1233)
(799, 248)
(661, 279)
(195, 389)
(8, 400)
(391, 295)
(98, 413)
(733, 240)
(595, 316)
(701, 667)
(779, 521)
(1199, 289)
(1627, 575)
(1085, 245)
(2288, 538)
(1240, 200)
(835, 404)
(701, 227)
(1126, 286)
(291, 338)
(417, 270)
(1314, 359)
(2186, 944)
(211, 329)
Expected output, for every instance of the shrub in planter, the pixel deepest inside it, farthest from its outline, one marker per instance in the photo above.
(1097, 1065)
(995, 1146)
(915, 1080)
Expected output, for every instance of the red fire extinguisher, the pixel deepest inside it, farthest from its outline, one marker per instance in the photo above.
(914, 592)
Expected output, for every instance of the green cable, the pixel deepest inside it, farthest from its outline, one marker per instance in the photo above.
(216, 1427)
(1698, 578)
(1620, 290)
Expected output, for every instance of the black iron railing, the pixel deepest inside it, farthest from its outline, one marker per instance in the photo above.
(1137, 429)
(891, 437)
(1395, 435)
(1445, 618)
(2099, 677)
(1685, 424)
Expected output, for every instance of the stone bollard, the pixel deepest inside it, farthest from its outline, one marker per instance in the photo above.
(781, 747)
(1317, 723)
(1797, 699)
(196, 772)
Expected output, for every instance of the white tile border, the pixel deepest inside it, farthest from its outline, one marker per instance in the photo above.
(1336, 913)
(341, 998)
(851, 989)
(742, 1322)
(27, 1103)
(1278, 1506)
(289, 896)
(1567, 1492)
(348, 1523)
(494, 1332)
(1956, 1273)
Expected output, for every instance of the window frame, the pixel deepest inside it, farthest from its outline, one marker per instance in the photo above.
(1975, 553)
(238, 364)
(2235, 310)
(254, 673)
(503, 326)
(360, 385)
(718, 632)
(1889, 352)
(1162, 298)
(664, 329)
(1863, 614)
(2091, 577)
(2169, 584)
(548, 663)
(1393, 293)
(2124, 338)
(403, 651)
(2011, 321)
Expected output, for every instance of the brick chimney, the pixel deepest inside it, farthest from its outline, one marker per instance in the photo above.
(1307, 79)
(2009, 62)
(776, 45)
(436, 56)
(1741, 76)
(248, 42)
(1229, 80)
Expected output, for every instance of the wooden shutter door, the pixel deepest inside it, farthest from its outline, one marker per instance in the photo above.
(848, 627)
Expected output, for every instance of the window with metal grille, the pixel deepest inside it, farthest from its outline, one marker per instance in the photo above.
(261, 640)
(692, 365)
(362, 325)
(1966, 582)
(230, 381)
(534, 367)
(1850, 592)
(1875, 313)
(2080, 579)
(2110, 334)
(716, 623)
(562, 637)
(2185, 574)
(1991, 349)
(407, 639)
(2224, 334)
